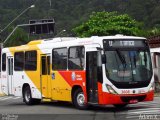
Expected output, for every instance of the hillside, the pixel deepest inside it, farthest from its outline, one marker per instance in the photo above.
(69, 13)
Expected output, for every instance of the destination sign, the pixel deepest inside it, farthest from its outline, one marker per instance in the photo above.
(124, 43)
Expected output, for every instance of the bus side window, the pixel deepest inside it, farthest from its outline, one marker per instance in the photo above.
(19, 61)
(158, 60)
(4, 62)
(76, 58)
(59, 59)
(0, 58)
(31, 60)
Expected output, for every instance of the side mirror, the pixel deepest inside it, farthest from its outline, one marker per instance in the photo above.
(104, 61)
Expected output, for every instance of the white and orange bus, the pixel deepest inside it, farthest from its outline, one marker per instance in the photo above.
(85, 71)
(155, 54)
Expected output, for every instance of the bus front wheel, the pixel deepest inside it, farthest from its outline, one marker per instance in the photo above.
(79, 99)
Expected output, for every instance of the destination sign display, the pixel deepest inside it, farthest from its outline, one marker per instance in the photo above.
(124, 43)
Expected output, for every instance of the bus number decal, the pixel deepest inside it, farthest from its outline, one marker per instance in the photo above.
(125, 91)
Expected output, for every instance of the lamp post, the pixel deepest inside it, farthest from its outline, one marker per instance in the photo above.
(32, 6)
(24, 25)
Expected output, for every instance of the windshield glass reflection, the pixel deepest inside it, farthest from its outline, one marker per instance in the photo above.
(126, 66)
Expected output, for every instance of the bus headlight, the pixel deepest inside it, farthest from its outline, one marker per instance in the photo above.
(152, 87)
(110, 89)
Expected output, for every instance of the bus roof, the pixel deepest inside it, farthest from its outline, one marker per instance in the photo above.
(82, 41)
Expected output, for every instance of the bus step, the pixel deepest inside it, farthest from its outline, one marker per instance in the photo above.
(46, 100)
(92, 103)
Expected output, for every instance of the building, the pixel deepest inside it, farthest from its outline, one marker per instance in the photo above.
(154, 43)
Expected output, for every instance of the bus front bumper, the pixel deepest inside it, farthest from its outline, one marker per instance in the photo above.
(107, 98)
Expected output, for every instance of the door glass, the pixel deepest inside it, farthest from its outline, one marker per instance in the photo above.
(11, 66)
(44, 70)
(91, 68)
(48, 64)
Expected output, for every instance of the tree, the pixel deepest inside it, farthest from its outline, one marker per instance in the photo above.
(19, 37)
(108, 23)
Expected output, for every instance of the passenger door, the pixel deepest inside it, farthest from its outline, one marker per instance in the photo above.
(10, 75)
(91, 75)
(45, 76)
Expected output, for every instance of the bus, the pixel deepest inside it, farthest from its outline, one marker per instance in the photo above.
(107, 70)
(155, 55)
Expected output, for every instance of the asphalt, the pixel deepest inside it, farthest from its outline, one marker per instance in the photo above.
(13, 107)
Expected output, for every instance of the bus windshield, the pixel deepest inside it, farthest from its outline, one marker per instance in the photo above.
(128, 67)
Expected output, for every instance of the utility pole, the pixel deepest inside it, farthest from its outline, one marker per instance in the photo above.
(50, 3)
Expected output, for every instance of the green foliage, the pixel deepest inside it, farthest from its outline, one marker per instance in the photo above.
(18, 38)
(70, 13)
(108, 23)
(152, 32)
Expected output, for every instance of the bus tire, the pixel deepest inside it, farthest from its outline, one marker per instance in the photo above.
(79, 99)
(120, 106)
(27, 96)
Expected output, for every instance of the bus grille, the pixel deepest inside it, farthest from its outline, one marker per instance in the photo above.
(128, 98)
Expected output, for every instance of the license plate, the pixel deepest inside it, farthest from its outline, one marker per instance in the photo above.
(133, 101)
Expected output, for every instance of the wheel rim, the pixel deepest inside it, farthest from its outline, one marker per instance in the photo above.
(81, 99)
(27, 96)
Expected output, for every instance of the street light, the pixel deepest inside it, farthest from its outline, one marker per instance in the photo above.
(32, 6)
(24, 25)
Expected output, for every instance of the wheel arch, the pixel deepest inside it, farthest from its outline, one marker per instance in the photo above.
(24, 86)
(75, 91)
(74, 88)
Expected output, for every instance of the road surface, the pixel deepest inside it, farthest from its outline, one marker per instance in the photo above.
(13, 108)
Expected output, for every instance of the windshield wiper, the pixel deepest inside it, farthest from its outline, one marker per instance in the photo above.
(121, 57)
(123, 61)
